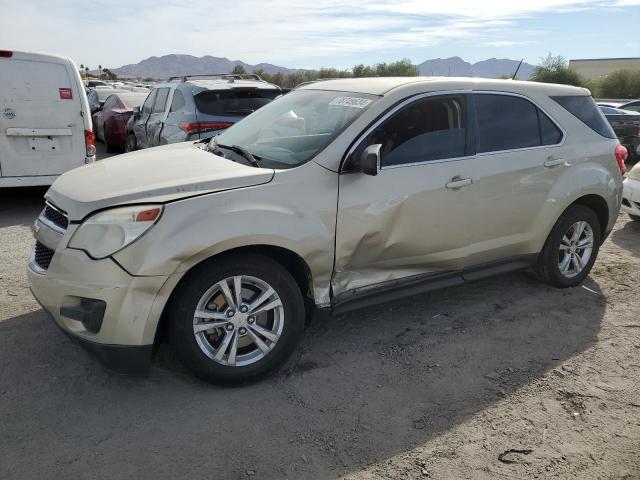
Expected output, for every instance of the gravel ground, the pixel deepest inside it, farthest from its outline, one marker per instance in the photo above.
(504, 378)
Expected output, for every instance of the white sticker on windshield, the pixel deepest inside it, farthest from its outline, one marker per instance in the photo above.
(354, 102)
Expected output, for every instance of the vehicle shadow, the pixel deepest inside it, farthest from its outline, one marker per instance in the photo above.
(364, 387)
(18, 204)
(628, 237)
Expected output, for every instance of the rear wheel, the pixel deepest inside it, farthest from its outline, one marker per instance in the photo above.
(236, 319)
(571, 248)
(131, 144)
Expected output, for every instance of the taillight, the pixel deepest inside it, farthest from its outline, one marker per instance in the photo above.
(90, 142)
(6, 54)
(199, 127)
(621, 155)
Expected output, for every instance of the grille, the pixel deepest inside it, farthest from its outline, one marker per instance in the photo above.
(43, 255)
(56, 217)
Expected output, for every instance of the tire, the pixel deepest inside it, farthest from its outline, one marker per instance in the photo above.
(130, 144)
(635, 218)
(202, 291)
(553, 255)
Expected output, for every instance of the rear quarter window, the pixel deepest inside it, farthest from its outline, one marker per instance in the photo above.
(234, 102)
(585, 109)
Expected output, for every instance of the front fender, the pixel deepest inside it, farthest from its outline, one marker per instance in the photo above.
(295, 211)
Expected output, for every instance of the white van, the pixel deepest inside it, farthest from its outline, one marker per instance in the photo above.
(45, 124)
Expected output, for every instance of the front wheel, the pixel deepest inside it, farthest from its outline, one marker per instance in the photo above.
(571, 248)
(236, 318)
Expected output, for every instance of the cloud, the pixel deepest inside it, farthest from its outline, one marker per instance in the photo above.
(280, 31)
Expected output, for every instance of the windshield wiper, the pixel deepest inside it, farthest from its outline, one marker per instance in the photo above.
(242, 152)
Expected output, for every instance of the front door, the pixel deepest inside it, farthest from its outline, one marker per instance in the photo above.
(411, 219)
(140, 124)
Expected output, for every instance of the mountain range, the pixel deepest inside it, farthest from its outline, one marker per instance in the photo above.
(179, 64)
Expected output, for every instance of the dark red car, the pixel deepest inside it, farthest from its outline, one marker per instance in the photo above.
(110, 121)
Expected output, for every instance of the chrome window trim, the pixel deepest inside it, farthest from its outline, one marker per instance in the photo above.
(420, 96)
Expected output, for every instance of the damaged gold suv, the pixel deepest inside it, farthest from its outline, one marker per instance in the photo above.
(337, 195)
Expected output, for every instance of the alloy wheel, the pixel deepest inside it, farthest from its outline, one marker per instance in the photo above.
(575, 249)
(238, 321)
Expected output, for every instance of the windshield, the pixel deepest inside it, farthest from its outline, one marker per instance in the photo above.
(294, 128)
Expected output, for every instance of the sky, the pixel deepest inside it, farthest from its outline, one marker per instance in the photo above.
(325, 33)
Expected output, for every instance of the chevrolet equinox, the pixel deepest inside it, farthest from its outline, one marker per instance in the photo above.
(338, 195)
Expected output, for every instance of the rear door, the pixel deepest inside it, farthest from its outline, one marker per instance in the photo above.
(520, 155)
(157, 117)
(140, 124)
(41, 123)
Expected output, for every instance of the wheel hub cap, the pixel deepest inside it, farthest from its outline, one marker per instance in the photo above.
(238, 320)
(575, 249)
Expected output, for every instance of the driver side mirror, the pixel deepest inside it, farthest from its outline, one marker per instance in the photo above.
(368, 162)
(136, 111)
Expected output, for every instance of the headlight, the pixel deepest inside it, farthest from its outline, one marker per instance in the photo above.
(108, 231)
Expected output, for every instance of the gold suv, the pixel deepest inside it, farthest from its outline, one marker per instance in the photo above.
(337, 195)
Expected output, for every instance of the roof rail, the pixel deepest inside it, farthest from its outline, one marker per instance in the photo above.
(228, 76)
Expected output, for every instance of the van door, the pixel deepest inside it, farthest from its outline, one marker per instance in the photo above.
(157, 117)
(520, 156)
(41, 123)
(140, 124)
(411, 219)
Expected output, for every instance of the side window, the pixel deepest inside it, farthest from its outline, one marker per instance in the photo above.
(161, 100)
(148, 103)
(549, 132)
(431, 128)
(506, 123)
(178, 101)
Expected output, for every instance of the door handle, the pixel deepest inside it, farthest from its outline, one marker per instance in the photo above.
(458, 182)
(552, 161)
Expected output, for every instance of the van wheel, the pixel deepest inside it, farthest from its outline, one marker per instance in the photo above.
(571, 248)
(236, 318)
(130, 145)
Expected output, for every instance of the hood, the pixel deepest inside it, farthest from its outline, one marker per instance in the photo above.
(153, 175)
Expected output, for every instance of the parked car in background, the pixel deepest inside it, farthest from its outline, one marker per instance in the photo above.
(95, 83)
(110, 120)
(633, 106)
(626, 124)
(631, 193)
(97, 97)
(196, 107)
(338, 195)
(45, 124)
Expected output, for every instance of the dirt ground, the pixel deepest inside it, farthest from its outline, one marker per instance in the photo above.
(504, 378)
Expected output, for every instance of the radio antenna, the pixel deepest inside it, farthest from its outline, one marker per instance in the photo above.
(516, 72)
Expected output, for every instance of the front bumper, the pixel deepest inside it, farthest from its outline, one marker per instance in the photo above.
(125, 336)
(631, 196)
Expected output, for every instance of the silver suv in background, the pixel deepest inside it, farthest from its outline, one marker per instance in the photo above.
(196, 107)
(338, 195)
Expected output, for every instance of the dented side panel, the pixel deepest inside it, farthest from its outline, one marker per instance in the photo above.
(400, 223)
